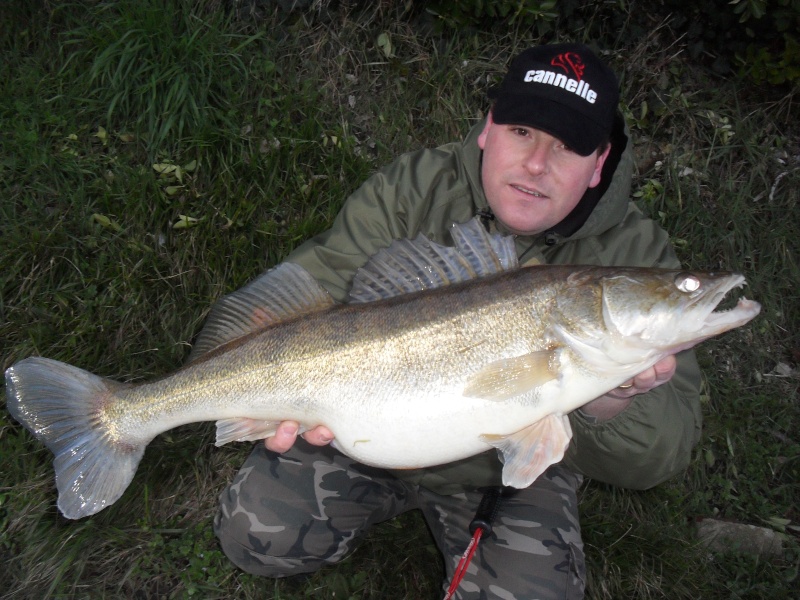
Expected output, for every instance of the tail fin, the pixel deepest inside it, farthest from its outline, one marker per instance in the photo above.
(63, 407)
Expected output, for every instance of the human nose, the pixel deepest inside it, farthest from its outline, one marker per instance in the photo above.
(537, 158)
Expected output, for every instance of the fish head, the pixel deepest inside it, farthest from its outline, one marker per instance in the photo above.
(641, 315)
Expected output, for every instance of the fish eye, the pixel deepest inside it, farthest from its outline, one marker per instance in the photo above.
(686, 282)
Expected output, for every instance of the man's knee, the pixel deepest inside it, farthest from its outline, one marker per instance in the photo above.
(260, 542)
(317, 506)
(258, 554)
(253, 534)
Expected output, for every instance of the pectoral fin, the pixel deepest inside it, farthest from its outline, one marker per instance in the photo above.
(509, 377)
(243, 430)
(527, 453)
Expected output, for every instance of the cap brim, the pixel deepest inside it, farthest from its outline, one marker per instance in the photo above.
(582, 135)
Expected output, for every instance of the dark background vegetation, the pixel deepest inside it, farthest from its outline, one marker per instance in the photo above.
(156, 154)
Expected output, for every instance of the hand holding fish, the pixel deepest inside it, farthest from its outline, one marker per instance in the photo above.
(287, 432)
(658, 374)
(615, 401)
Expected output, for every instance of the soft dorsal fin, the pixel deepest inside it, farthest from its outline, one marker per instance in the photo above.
(281, 293)
(419, 264)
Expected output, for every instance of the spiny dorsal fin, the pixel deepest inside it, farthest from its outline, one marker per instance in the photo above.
(281, 293)
(488, 253)
(419, 264)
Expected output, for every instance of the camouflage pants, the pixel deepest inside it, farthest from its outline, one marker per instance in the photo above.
(297, 512)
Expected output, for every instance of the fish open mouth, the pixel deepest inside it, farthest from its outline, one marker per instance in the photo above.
(716, 314)
(724, 319)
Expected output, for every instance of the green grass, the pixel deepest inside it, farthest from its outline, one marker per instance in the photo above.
(273, 123)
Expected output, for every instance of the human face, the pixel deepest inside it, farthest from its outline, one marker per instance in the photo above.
(532, 180)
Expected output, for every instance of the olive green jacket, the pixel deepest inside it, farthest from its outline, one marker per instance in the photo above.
(425, 192)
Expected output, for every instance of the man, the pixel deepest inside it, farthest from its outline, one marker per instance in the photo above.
(550, 164)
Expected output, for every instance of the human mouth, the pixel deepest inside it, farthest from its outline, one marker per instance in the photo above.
(527, 191)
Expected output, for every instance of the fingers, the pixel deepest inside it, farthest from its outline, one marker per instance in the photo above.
(286, 435)
(658, 374)
(319, 436)
(665, 369)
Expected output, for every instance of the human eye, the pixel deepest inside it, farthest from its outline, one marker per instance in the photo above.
(565, 148)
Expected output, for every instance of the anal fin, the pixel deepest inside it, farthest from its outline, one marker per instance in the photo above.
(528, 453)
(242, 429)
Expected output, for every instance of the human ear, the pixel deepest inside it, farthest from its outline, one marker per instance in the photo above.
(485, 132)
(598, 168)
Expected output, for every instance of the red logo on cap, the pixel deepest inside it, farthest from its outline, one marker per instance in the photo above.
(571, 63)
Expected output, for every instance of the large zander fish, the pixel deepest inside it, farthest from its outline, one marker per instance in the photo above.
(441, 354)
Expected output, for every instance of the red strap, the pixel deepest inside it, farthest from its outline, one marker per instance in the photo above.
(463, 564)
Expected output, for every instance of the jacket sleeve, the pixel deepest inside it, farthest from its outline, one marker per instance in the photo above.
(651, 440)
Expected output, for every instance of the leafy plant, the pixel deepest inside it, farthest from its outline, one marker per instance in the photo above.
(156, 65)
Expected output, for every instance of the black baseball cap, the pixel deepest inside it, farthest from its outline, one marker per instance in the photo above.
(563, 89)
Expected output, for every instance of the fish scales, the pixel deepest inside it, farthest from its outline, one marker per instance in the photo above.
(351, 351)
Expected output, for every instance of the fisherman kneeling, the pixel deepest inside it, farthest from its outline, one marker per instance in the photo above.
(553, 167)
